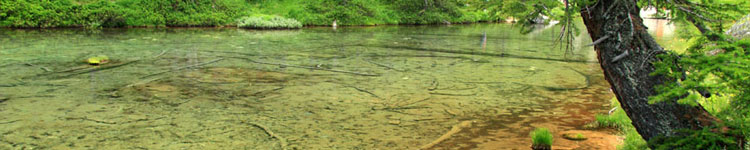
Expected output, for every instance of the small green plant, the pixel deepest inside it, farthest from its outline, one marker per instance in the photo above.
(574, 136)
(616, 119)
(268, 22)
(541, 136)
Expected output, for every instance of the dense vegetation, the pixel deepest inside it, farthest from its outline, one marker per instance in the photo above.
(713, 72)
(122, 13)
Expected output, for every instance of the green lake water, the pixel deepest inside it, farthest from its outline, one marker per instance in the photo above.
(384, 87)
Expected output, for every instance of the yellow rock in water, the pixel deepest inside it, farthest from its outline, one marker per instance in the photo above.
(98, 60)
(93, 61)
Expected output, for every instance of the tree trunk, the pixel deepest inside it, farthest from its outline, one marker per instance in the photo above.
(626, 58)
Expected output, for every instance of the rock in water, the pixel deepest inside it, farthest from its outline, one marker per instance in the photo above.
(574, 136)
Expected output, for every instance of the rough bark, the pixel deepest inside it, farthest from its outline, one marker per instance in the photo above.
(628, 72)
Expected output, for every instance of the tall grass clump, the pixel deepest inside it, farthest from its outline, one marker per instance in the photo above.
(619, 120)
(616, 119)
(268, 22)
(541, 139)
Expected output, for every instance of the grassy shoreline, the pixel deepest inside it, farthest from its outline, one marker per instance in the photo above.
(222, 13)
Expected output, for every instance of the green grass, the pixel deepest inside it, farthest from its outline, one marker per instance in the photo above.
(633, 141)
(120, 13)
(541, 136)
(619, 120)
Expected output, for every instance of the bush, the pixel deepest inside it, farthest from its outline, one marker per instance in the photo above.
(120, 13)
(268, 22)
(24, 13)
(541, 136)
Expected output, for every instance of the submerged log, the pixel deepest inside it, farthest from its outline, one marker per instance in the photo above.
(478, 53)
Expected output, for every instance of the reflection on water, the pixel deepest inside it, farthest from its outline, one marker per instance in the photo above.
(663, 31)
(659, 28)
(387, 87)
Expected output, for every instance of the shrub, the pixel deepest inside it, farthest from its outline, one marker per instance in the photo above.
(120, 13)
(268, 22)
(541, 136)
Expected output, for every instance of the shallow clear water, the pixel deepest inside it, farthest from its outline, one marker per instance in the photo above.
(385, 87)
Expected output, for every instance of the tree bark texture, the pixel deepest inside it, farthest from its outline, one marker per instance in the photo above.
(626, 56)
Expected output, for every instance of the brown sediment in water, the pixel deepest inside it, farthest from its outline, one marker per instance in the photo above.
(511, 131)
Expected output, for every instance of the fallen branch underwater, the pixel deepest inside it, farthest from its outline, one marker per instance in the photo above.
(84, 70)
(282, 141)
(479, 53)
(184, 67)
(89, 69)
(307, 67)
(158, 73)
(456, 128)
(452, 94)
(382, 65)
(365, 91)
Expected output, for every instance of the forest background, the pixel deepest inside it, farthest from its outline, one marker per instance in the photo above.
(201, 13)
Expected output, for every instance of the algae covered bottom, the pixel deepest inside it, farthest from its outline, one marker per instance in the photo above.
(388, 87)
